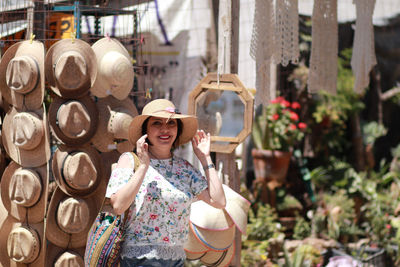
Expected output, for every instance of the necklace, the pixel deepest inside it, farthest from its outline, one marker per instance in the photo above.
(163, 165)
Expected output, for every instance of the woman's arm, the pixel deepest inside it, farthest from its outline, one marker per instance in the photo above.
(214, 195)
(124, 197)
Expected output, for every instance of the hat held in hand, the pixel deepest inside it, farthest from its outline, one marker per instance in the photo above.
(25, 137)
(115, 70)
(71, 68)
(22, 75)
(73, 121)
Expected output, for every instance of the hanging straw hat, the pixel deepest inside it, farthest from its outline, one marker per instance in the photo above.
(115, 70)
(22, 244)
(78, 171)
(25, 137)
(70, 218)
(217, 240)
(24, 192)
(115, 117)
(22, 75)
(61, 257)
(219, 258)
(73, 121)
(71, 68)
(163, 108)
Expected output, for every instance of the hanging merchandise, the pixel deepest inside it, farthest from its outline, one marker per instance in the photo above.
(262, 47)
(286, 32)
(363, 58)
(324, 50)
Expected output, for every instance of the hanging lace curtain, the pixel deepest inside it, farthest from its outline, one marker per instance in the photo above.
(324, 47)
(363, 58)
(262, 48)
(286, 32)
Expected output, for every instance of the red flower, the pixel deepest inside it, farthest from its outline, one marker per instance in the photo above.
(277, 100)
(294, 116)
(296, 105)
(292, 127)
(275, 117)
(388, 226)
(166, 239)
(156, 229)
(302, 125)
(285, 103)
(153, 216)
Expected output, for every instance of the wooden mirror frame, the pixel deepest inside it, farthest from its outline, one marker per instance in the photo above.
(225, 82)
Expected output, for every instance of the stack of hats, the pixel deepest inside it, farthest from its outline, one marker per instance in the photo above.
(212, 231)
(25, 136)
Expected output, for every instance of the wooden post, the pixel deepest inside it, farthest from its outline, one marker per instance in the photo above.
(228, 51)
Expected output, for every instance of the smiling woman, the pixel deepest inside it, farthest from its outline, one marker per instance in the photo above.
(158, 194)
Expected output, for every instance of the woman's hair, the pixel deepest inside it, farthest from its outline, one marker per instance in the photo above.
(179, 132)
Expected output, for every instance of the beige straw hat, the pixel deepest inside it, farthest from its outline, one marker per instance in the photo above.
(22, 75)
(71, 68)
(219, 258)
(115, 69)
(115, 116)
(194, 245)
(217, 240)
(61, 257)
(70, 218)
(73, 121)
(206, 216)
(25, 137)
(237, 207)
(79, 171)
(24, 192)
(22, 244)
(163, 108)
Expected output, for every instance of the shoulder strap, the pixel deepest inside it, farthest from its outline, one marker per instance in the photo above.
(137, 161)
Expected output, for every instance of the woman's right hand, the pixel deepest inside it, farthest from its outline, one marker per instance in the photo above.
(142, 150)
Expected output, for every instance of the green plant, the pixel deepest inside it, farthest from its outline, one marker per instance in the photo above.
(372, 131)
(302, 229)
(263, 224)
(303, 256)
(278, 126)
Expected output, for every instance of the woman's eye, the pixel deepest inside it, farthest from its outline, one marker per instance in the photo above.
(172, 123)
(156, 123)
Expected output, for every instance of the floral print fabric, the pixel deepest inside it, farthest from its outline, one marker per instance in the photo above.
(159, 217)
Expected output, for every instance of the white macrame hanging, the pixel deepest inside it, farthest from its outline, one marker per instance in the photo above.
(262, 48)
(286, 32)
(324, 47)
(363, 58)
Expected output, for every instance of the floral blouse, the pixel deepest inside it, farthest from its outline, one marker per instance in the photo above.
(157, 226)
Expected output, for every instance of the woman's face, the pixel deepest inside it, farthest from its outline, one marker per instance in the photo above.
(161, 131)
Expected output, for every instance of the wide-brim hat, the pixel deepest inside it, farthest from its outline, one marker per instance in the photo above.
(69, 219)
(237, 207)
(217, 240)
(61, 257)
(22, 244)
(193, 245)
(115, 73)
(79, 171)
(22, 78)
(71, 68)
(206, 216)
(219, 258)
(24, 192)
(115, 116)
(25, 136)
(73, 121)
(163, 108)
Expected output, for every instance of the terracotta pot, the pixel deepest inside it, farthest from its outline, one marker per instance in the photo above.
(271, 164)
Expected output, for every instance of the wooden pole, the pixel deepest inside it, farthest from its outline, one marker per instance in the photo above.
(228, 51)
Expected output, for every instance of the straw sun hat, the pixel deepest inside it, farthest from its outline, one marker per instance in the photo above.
(115, 70)
(22, 75)
(24, 192)
(163, 108)
(115, 117)
(25, 137)
(71, 68)
(73, 121)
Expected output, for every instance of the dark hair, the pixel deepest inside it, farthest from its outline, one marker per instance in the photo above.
(179, 132)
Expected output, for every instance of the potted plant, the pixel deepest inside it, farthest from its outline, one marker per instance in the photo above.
(275, 131)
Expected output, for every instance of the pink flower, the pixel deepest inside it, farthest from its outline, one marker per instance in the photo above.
(170, 109)
(302, 125)
(156, 229)
(275, 117)
(277, 100)
(166, 239)
(388, 226)
(172, 208)
(292, 127)
(296, 105)
(294, 116)
(153, 216)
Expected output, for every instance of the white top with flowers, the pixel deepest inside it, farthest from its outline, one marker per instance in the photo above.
(158, 220)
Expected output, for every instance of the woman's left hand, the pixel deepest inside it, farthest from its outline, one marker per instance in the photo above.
(201, 143)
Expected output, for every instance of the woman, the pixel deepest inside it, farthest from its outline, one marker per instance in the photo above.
(160, 191)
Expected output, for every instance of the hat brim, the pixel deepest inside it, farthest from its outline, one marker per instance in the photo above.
(52, 56)
(219, 258)
(217, 240)
(237, 207)
(103, 139)
(206, 216)
(53, 252)
(189, 126)
(66, 240)
(34, 99)
(27, 158)
(34, 214)
(89, 103)
(193, 245)
(61, 153)
(101, 85)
